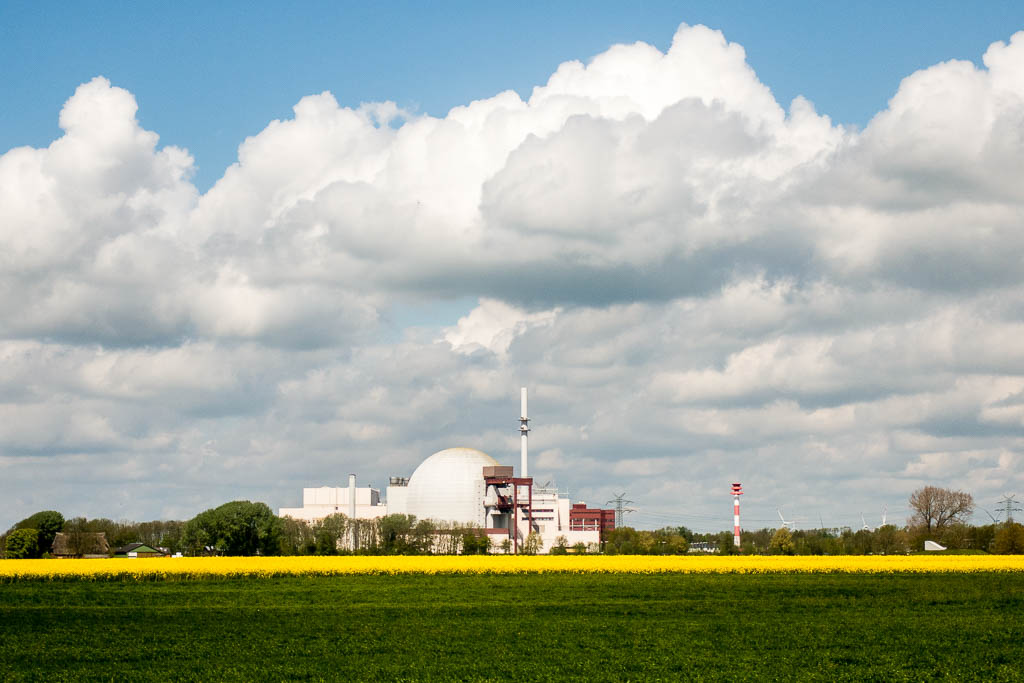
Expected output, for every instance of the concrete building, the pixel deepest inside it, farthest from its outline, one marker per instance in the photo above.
(324, 501)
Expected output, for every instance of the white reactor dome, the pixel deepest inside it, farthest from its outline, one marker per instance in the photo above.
(449, 486)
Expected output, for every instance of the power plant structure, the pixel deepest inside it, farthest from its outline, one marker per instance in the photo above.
(467, 486)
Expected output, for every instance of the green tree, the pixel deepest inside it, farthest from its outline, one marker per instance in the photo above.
(324, 542)
(1009, 539)
(475, 543)
(397, 535)
(622, 541)
(332, 533)
(781, 542)
(533, 544)
(888, 540)
(667, 541)
(725, 543)
(982, 537)
(296, 537)
(236, 528)
(170, 535)
(956, 536)
(46, 523)
(365, 532)
(756, 541)
(422, 536)
(22, 544)
(860, 542)
(561, 546)
(816, 542)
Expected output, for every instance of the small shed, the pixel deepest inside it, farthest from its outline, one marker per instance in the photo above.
(88, 544)
(138, 550)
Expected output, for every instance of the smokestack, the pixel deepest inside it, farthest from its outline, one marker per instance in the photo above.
(352, 496)
(524, 429)
(352, 509)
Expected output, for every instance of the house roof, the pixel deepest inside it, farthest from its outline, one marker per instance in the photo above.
(137, 548)
(84, 543)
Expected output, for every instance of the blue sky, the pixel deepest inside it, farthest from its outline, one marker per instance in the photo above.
(207, 75)
(698, 282)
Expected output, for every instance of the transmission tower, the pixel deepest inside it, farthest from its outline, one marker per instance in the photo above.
(1008, 504)
(620, 508)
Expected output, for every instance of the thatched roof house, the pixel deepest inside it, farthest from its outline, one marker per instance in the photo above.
(81, 544)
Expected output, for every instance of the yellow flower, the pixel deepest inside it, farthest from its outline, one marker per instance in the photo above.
(201, 567)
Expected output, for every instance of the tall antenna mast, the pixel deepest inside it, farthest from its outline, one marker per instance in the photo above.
(620, 508)
(737, 491)
(524, 429)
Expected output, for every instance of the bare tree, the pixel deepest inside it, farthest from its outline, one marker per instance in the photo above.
(936, 508)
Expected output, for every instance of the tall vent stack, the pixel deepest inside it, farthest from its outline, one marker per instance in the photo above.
(351, 496)
(524, 429)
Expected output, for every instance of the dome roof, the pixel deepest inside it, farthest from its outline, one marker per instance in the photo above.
(449, 486)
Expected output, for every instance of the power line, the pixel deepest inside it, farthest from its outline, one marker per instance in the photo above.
(841, 521)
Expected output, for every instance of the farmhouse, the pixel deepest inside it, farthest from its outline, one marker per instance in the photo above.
(139, 550)
(88, 544)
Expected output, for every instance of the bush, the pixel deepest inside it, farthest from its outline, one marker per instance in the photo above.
(22, 544)
(781, 543)
(1009, 539)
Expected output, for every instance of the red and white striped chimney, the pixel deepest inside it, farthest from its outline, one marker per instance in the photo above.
(737, 491)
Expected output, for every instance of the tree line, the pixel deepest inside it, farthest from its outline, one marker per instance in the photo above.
(937, 514)
(247, 528)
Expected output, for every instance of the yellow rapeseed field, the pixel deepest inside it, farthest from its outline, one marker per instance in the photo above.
(204, 567)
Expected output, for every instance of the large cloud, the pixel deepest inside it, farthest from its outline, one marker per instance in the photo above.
(698, 284)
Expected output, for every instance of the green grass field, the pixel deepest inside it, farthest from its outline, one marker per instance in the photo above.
(519, 627)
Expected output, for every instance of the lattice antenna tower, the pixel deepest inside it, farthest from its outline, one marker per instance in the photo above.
(620, 508)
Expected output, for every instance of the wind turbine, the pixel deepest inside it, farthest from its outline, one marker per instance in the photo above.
(885, 512)
(788, 524)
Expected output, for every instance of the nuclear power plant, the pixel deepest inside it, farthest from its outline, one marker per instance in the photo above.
(468, 487)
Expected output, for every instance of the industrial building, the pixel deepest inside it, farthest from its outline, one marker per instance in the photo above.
(467, 486)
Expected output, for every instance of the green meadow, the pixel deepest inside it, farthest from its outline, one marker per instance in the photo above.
(598, 627)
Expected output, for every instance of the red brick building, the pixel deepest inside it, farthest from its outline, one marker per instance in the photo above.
(582, 518)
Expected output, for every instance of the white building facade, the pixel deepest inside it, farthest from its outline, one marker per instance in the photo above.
(324, 501)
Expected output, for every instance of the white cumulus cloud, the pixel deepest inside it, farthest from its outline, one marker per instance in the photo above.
(698, 283)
